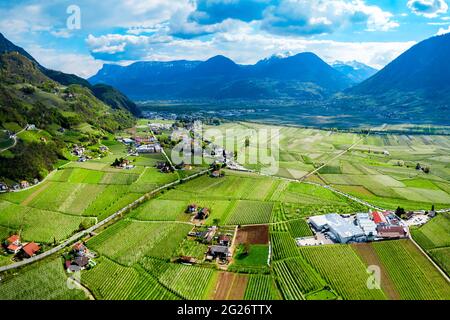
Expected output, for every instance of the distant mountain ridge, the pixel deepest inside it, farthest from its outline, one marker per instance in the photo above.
(423, 71)
(304, 76)
(356, 71)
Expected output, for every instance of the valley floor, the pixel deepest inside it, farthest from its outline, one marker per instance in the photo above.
(136, 256)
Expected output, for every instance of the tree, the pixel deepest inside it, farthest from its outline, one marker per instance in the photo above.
(400, 212)
(418, 166)
(247, 142)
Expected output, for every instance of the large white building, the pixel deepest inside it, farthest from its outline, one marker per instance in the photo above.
(342, 229)
(367, 224)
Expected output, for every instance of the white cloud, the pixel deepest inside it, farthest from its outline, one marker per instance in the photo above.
(83, 65)
(247, 47)
(443, 31)
(309, 17)
(428, 8)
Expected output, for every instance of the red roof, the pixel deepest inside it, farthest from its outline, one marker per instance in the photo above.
(31, 249)
(13, 247)
(13, 238)
(378, 218)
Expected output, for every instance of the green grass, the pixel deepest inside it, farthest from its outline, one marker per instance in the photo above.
(257, 256)
(44, 280)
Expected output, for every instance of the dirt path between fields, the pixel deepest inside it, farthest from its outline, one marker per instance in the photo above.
(370, 257)
(30, 198)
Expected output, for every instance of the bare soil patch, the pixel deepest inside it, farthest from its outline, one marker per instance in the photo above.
(253, 235)
(230, 286)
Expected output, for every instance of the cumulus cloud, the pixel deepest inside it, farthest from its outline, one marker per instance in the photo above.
(428, 8)
(215, 11)
(309, 17)
(247, 47)
(83, 65)
(443, 31)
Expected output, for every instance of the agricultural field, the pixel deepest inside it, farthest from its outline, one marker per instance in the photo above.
(413, 275)
(138, 255)
(45, 280)
(79, 194)
(380, 169)
(434, 237)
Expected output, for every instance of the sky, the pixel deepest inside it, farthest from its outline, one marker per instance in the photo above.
(80, 36)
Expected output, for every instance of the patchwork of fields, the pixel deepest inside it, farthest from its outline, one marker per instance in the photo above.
(78, 195)
(381, 169)
(137, 254)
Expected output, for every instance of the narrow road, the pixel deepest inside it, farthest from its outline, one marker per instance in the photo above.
(334, 158)
(86, 232)
(14, 136)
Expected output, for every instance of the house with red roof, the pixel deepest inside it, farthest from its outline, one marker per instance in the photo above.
(30, 249)
(14, 239)
(378, 217)
(13, 244)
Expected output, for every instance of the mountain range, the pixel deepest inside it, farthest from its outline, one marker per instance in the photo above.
(301, 76)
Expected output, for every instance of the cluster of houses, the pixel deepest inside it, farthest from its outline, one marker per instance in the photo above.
(363, 227)
(14, 245)
(123, 164)
(79, 258)
(142, 145)
(199, 213)
(218, 243)
(17, 186)
(164, 167)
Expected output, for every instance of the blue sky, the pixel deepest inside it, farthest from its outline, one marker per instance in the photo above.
(124, 31)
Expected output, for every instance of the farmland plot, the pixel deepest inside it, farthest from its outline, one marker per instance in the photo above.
(190, 282)
(45, 280)
(128, 241)
(111, 281)
(261, 287)
(34, 222)
(435, 233)
(413, 275)
(250, 212)
(341, 267)
(161, 210)
(296, 278)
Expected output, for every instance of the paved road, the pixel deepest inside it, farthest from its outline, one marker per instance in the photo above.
(84, 233)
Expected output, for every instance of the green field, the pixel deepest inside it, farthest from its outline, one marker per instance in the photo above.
(139, 253)
(42, 281)
(414, 276)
